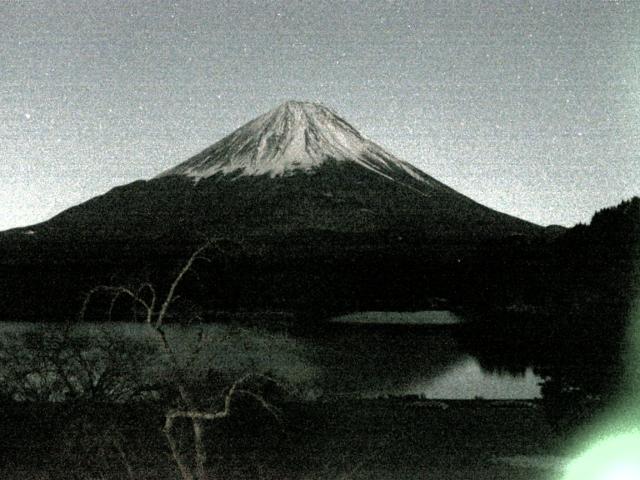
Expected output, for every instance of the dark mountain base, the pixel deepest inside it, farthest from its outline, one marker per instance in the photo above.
(332, 280)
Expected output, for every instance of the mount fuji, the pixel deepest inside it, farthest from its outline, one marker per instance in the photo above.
(295, 168)
(315, 205)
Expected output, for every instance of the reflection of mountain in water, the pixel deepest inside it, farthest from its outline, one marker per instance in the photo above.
(468, 379)
(368, 361)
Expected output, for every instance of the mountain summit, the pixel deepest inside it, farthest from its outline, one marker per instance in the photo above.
(296, 136)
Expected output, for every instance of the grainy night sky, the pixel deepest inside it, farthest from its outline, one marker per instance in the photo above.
(532, 108)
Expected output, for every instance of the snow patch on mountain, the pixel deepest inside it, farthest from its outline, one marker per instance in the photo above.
(296, 136)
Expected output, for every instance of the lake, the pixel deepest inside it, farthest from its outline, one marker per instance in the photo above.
(371, 354)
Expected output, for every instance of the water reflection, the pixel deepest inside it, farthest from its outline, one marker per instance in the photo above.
(467, 379)
(371, 361)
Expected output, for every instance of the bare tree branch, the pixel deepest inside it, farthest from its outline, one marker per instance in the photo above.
(187, 266)
(198, 416)
(185, 471)
(146, 297)
(116, 292)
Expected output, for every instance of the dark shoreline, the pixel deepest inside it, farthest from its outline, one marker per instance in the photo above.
(318, 439)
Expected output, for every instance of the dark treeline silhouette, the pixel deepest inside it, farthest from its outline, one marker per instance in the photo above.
(314, 273)
(561, 305)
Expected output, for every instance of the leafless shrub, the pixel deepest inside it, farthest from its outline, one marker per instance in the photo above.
(52, 365)
(154, 309)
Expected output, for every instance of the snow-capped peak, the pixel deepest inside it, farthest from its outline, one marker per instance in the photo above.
(295, 136)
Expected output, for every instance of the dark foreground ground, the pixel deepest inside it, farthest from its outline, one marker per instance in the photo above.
(345, 439)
